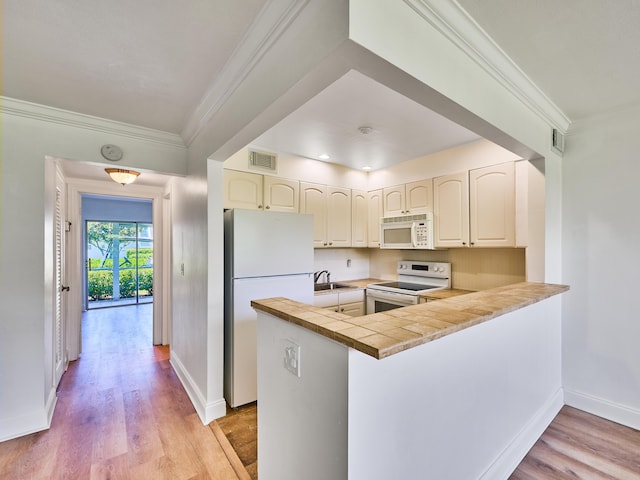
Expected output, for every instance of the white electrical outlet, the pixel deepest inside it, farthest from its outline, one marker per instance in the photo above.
(292, 357)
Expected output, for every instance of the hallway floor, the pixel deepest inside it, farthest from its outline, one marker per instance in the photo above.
(121, 414)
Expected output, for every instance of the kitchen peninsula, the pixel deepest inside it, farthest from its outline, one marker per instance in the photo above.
(455, 388)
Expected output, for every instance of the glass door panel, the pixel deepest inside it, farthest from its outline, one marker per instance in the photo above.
(119, 268)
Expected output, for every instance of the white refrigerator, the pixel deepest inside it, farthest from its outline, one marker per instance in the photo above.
(267, 254)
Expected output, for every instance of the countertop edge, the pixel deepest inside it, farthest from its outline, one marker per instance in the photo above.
(384, 334)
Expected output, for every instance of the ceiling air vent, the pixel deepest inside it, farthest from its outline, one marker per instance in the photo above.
(262, 160)
(557, 141)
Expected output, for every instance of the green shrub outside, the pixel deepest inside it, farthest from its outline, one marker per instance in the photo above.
(144, 254)
(101, 283)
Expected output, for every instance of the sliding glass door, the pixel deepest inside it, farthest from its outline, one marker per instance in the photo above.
(119, 266)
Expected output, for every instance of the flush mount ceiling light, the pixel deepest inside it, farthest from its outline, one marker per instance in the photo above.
(324, 156)
(122, 176)
(366, 168)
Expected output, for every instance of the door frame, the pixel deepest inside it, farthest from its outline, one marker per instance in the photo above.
(75, 189)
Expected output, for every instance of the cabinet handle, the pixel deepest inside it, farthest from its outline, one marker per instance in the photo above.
(267, 207)
(472, 243)
(342, 309)
(259, 206)
(336, 310)
(464, 243)
(325, 244)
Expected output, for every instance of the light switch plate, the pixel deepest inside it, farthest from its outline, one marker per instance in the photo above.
(292, 357)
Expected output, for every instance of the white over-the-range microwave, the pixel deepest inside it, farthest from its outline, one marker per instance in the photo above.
(407, 232)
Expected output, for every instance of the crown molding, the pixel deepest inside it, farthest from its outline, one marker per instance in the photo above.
(450, 19)
(44, 113)
(274, 19)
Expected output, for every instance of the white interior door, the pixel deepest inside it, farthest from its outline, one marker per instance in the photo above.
(59, 344)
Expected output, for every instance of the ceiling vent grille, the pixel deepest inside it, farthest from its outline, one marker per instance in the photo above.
(262, 160)
(557, 141)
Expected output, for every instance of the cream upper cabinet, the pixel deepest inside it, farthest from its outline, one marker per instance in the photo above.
(492, 205)
(242, 190)
(281, 194)
(313, 200)
(393, 200)
(359, 209)
(475, 208)
(451, 210)
(419, 197)
(338, 217)
(409, 199)
(257, 192)
(374, 213)
(331, 210)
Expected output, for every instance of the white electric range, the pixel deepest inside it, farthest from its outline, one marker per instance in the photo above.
(414, 279)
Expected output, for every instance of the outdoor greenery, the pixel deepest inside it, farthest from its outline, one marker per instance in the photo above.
(101, 283)
(104, 236)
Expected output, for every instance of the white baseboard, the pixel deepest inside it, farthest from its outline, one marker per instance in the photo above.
(207, 411)
(50, 406)
(511, 456)
(23, 425)
(603, 408)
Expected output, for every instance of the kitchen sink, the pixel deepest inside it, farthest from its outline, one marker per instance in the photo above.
(318, 287)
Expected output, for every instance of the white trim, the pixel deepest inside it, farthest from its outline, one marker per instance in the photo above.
(264, 31)
(512, 455)
(450, 19)
(207, 411)
(601, 407)
(24, 424)
(44, 113)
(50, 406)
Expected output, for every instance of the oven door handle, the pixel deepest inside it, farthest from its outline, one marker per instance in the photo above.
(391, 296)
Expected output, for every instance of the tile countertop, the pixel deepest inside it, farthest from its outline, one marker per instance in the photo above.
(383, 334)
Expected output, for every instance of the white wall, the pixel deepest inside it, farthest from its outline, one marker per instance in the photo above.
(30, 133)
(600, 259)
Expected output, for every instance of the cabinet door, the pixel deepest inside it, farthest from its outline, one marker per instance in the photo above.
(338, 217)
(313, 200)
(353, 309)
(281, 194)
(419, 197)
(451, 210)
(359, 214)
(393, 201)
(242, 190)
(374, 213)
(492, 206)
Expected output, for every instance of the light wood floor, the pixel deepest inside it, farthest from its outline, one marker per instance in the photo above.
(121, 414)
(580, 446)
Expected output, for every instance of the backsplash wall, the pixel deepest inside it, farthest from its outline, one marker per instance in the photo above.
(335, 260)
(472, 268)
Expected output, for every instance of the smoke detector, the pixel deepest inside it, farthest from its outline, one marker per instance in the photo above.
(364, 130)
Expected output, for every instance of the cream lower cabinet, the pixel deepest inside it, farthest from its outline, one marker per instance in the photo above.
(351, 302)
(260, 192)
(408, 199)
(374, 213)
(331, 210)
(475, 208)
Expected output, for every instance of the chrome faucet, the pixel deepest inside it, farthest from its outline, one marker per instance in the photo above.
(317, 275)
